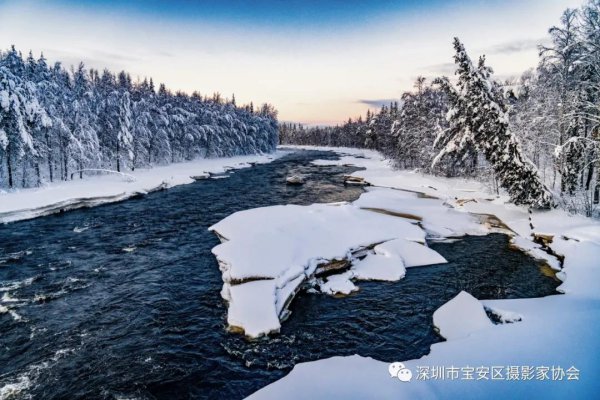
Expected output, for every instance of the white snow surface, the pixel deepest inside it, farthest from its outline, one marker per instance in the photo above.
(553, 331)
(460, 317)
(339, 284)
(382, 265)
(438, 219)
(280, 241)
(389, 260)
(100, 189)
(252, 305)
(412, 254)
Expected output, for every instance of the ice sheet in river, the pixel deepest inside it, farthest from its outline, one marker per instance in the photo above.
(389, 260)
(460, 317)
(437, 218)
(276, 246)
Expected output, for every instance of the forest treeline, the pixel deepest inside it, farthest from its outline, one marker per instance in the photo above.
(55, 123)
(548, 119)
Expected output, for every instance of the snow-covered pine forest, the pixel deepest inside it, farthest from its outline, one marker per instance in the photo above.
(552, 115)
(57, 124)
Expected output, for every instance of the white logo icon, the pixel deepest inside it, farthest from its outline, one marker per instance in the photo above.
(398, 370)
(394, 368)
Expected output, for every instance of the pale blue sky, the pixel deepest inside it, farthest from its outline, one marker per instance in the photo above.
(316, 61)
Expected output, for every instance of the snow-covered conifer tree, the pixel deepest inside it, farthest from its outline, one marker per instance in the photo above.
(478, 118)
(124, 138)
(20, 114)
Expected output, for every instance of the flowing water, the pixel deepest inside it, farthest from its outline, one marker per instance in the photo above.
(122, 300)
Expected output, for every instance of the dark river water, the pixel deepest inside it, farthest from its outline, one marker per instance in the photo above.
(122, 300)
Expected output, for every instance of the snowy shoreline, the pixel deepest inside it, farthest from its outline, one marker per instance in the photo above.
(93, 191)
(550, 342)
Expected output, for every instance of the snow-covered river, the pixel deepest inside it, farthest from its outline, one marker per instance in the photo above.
(123, 301)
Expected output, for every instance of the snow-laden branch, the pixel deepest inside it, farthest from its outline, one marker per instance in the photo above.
(574, 141)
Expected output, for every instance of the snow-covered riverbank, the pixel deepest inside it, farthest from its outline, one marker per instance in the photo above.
(546, 347)
(101, 189)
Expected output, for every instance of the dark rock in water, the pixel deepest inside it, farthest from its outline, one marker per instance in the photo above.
(332, 267)
(543, 239)
(295, 180)
(355, 180)
(204, 175)
(219, 175)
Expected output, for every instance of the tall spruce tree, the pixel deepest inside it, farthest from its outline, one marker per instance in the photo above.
(478, 118)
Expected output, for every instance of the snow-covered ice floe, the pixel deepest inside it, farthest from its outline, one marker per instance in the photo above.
(435, 216)
(107, 188)
(460, 317)
(537, 348)
(268, 253)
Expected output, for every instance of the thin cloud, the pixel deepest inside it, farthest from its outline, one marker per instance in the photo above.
(111, 56)
(516, 46)
(376, 102)
(91, 58)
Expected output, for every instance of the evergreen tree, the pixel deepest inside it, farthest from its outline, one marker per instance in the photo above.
(20, 113)
(479, 118)
(124, 138)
